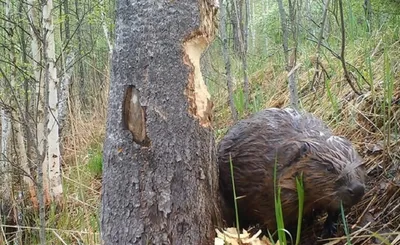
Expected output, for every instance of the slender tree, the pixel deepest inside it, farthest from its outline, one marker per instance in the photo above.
(242, 30)
(6, 179)
(290, 56)
(343, 47)
(227, 59)
(320, 38)
(52, 160)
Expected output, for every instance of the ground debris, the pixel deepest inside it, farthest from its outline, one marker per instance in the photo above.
(231, 237)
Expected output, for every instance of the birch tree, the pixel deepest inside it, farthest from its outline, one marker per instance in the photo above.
(159, 175)
(6, 200)
(52, 160)
(5, 170)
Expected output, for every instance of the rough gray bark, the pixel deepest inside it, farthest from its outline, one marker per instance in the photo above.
(160, 177)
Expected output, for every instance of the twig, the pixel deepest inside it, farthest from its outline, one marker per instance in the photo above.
(346, 73)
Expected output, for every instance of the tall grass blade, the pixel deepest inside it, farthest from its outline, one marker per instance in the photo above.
(234, 196)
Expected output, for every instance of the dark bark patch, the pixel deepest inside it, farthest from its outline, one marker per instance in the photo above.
(134, 118)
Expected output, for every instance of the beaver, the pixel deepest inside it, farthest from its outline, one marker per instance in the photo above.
(298, 143)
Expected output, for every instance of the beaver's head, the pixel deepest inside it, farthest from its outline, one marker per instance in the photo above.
(332, 172)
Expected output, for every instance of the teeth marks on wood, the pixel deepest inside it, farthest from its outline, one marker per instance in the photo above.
(133, 115)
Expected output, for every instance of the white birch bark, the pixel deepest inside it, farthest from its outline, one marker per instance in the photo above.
(27, 178)
(39, 106)
(53, 168)
(105, 29)
(39, 112)
(39, 103)
(5, 167)
(5, 170)
(64, 91)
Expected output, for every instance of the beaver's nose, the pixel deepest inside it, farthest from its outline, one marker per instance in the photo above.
(356, 190)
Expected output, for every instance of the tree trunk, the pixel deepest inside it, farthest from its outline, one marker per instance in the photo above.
(160, 177)
(83, 100)
(292, 68)
(290, 57)
(5, 171)
(53, 140)
(105, 28)
(64, 92)
(25, 145)
(6, 156)
(227, 60)
(285, 35)
(39, 110)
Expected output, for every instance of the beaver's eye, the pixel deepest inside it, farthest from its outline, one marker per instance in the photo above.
(330, 168)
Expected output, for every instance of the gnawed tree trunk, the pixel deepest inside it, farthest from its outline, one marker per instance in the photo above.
(160, 177)
(53, 168)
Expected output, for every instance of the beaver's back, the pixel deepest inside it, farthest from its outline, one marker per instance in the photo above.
(253, 146)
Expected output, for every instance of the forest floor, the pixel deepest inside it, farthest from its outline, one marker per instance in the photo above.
(371, 121)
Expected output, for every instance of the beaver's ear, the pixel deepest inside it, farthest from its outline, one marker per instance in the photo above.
(304, 149)
(291, 151)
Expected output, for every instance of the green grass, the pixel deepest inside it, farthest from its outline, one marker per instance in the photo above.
(95, 162)
(234, 197)
(300, 194)
(278, 208)
(345, 226)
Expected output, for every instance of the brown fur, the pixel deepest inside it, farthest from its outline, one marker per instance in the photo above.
(298, 143)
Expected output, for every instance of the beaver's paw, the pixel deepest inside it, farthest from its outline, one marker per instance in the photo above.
(330, 225)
